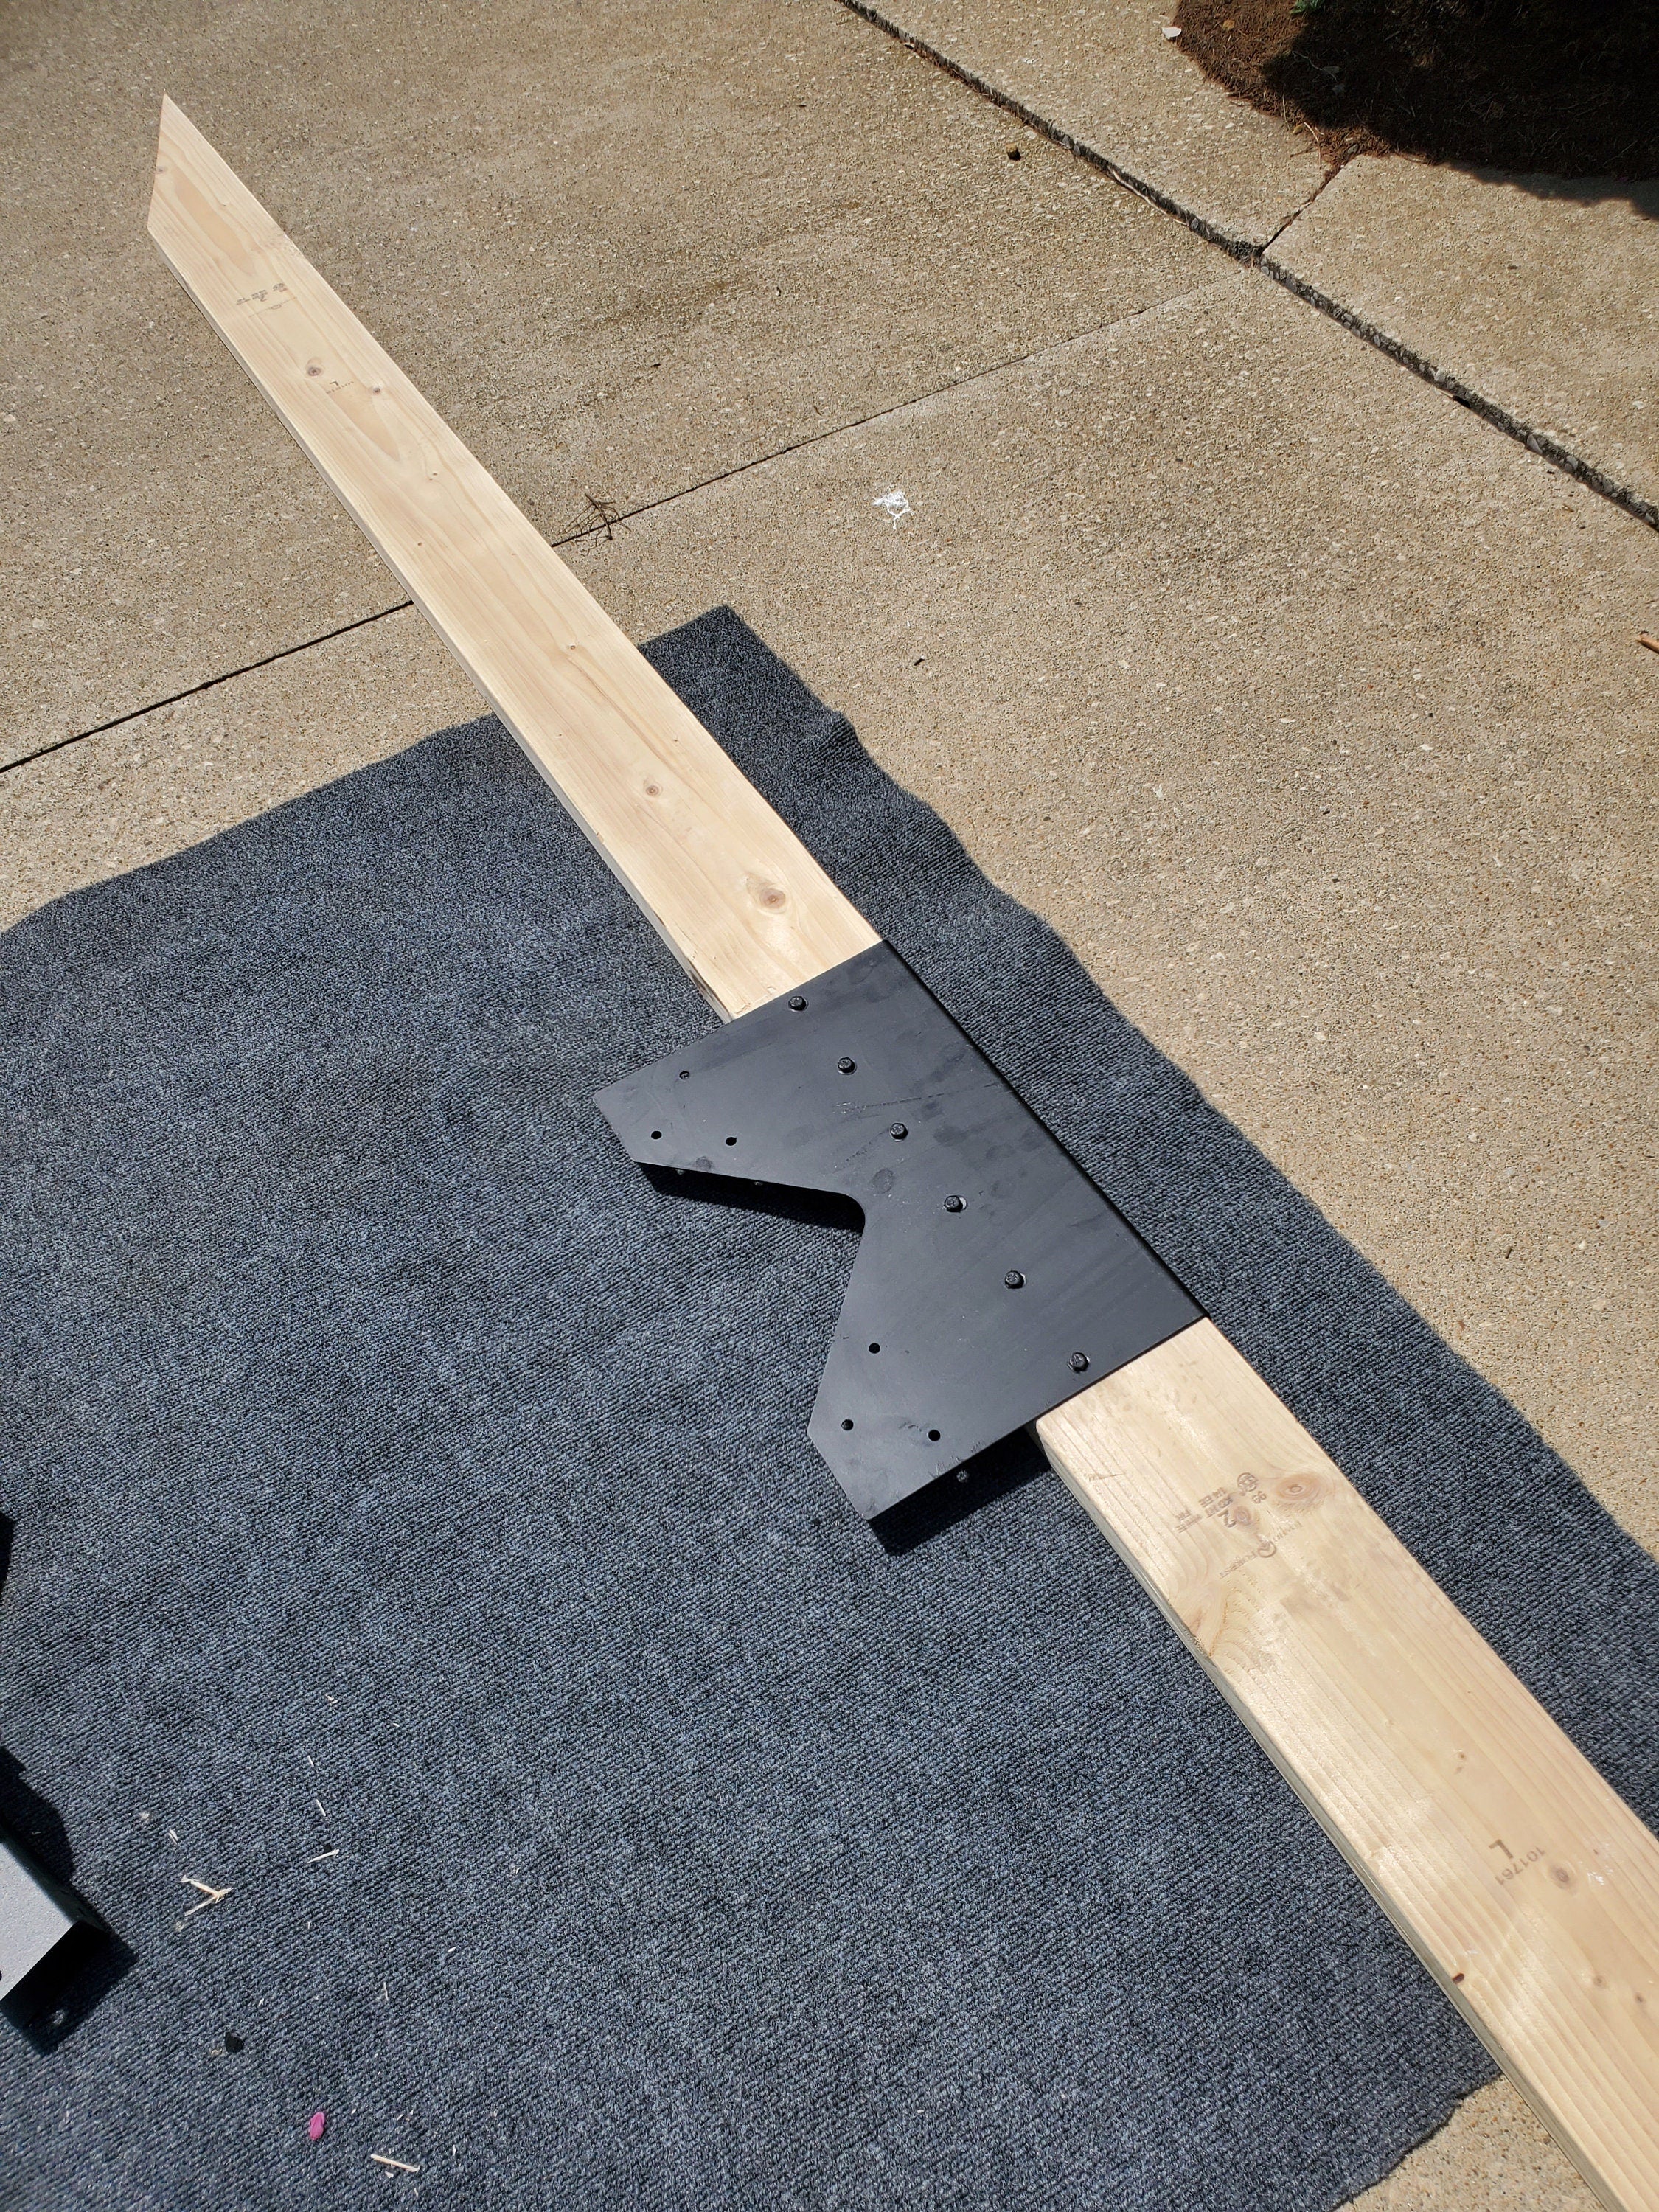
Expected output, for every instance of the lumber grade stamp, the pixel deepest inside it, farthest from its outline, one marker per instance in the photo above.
(1523, 1882)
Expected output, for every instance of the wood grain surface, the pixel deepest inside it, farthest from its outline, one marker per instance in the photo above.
(1525, 1884)
(734, 892)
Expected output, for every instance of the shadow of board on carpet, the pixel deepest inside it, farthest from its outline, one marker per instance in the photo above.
(417, 1534)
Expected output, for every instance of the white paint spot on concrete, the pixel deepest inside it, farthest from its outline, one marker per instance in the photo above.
(893, 504)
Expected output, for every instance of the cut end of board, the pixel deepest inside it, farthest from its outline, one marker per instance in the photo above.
(186, 165)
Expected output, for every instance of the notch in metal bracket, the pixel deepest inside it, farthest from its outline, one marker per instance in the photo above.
(993, 1281)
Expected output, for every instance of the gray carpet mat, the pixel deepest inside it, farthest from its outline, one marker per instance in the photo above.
(416, 1535)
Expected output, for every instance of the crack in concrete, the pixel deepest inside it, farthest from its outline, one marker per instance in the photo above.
(613, 520)
(1243, 250)
(877, 414)
(1325, 176)
(207, 684)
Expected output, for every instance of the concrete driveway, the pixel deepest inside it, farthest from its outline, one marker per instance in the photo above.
(1308, 706)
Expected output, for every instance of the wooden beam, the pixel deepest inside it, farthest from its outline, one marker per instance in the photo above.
(733, 889)
(1525, 1884)
(1527, 1887)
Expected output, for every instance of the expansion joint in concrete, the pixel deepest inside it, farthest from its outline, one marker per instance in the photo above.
(1241, 249)
(1255, 256)
(614, 519)
(1535, 440)
(207, 684)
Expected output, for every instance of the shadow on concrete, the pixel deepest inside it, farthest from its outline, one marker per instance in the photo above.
(1544, 89)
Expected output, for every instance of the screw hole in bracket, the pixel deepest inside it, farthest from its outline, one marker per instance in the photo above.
(761, 1079)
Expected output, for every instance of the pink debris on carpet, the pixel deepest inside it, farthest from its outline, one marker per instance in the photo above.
(319, 2122)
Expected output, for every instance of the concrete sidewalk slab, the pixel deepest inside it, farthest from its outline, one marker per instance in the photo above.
(623, 248)
(1490, 2156)
(1102, 72)
(1206, 633)
(1539, 292)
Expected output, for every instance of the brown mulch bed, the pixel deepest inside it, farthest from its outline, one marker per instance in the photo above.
(1529, 85)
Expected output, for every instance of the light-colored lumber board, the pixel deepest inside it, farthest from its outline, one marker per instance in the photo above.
(1524, 1883)
(733, 889)
(1526, 1886)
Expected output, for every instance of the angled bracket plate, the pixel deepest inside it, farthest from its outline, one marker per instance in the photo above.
(992, 1280)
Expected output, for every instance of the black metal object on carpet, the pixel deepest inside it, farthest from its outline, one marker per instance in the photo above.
(37, 1916)
(993, 1281)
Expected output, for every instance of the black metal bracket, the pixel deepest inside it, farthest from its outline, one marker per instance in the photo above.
(993, 1281)
(37, 1917)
